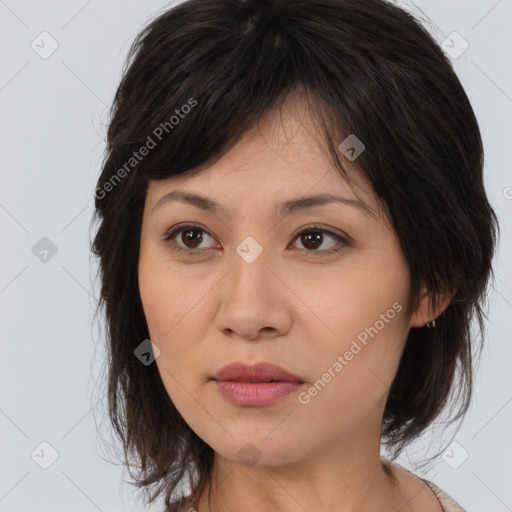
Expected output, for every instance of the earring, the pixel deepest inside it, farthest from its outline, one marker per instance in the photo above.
(431, 324)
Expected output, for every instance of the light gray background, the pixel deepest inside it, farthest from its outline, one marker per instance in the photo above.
(53, 117)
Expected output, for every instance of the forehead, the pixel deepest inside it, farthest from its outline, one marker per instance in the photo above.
(283, 155)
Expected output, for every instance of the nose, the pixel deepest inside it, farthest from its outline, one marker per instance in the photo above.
(255, 299)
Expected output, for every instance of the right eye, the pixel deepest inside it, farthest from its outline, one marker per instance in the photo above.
(189, 233)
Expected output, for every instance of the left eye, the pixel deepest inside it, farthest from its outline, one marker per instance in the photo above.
(311, 237)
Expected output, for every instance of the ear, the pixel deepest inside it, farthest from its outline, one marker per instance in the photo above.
(424, 313)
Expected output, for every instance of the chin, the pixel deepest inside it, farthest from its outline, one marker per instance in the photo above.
(259, 450)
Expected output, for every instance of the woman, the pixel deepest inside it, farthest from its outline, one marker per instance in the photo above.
(294, 239)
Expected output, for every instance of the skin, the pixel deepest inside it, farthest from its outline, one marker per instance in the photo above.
(300, 313)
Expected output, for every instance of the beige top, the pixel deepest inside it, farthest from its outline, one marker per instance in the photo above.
(448, 504)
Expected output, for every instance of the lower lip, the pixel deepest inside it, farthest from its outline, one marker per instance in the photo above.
(255, 394)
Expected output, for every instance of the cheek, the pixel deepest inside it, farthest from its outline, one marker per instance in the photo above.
(163, 293)
(351, 378)
(361, 319)
(174, 308)
(345, 303)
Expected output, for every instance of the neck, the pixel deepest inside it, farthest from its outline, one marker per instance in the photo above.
(324, 482)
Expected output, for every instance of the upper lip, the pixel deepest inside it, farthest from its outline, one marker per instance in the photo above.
(259, 372)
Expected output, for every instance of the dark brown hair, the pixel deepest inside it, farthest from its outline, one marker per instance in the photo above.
(204, 72)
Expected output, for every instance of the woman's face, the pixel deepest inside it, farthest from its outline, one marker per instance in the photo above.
(261, 284)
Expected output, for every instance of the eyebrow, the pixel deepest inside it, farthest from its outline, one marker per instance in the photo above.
(282, 208)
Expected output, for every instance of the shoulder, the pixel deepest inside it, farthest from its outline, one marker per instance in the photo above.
(447, 502)
(411, 481)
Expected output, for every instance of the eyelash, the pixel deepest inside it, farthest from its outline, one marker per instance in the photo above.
(194, 252)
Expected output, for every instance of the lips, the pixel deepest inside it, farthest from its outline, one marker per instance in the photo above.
(259, 372)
